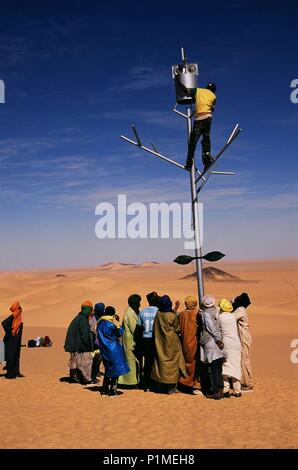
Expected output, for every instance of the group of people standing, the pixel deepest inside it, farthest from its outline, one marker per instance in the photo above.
(160, 349)
(225, 343)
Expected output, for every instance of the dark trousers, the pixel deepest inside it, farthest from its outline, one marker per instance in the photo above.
(12, 355)
(165, 388)
(109, 386)
(216, 375)
(205, 378)
(95, 366)
(211, 377)
(200, 128)
(147, 348)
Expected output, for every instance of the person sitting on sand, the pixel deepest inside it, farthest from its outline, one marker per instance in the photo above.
(144, 329)
(212, 354)
(231, 368)
(13, 327)
(129, 324)
(79, 344)
(109, 332)
(169, 362)
(189, 338)
(240, 305)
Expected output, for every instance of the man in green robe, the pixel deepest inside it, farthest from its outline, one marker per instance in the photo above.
(129, 324)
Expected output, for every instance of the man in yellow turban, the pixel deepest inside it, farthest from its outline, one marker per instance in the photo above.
(231, 369)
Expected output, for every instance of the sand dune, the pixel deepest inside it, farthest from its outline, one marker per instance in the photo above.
(148, 264)
(217, 275)
(112, 266)
(213, 274)
(116, 266)
(51, 410)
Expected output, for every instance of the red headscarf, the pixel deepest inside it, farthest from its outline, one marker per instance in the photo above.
(87, 303)
(16, 311)
(87, 308)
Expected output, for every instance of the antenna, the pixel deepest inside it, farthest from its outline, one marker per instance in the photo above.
(184, 58)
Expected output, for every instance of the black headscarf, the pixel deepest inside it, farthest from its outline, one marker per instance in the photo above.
(134, 301)
(165, 304)
(153, 299)
(110, 311)
(241, 301)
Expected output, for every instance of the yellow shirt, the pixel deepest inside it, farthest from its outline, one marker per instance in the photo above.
(205, 101)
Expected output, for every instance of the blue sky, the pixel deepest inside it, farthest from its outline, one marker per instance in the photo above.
(77, 74)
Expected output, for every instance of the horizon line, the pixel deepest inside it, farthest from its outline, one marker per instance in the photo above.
(130, 263)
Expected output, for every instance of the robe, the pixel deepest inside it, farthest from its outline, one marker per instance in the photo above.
(231, 340)
(111, 349)
(189, 340)
(169, 362)
(129, 324)
(246, 340)
(209, 335)
(12, 347)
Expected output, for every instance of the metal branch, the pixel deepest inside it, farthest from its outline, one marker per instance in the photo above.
(137, 135)
(234, 134)
(179, 112)
(153, 152)
(200, 176)
(154, 147)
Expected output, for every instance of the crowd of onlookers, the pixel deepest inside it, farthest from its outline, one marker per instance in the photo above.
(158, 348)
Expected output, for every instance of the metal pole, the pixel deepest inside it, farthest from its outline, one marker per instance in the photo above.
(184, 58)
(195, 218)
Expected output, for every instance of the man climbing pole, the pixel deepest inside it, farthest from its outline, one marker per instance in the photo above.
(204, 106)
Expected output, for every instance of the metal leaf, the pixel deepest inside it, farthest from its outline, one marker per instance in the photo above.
(183, 259)
(213, 256)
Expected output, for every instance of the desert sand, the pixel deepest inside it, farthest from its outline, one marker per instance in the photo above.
(40, 411)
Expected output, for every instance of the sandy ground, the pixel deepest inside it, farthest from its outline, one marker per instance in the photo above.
(40, 411)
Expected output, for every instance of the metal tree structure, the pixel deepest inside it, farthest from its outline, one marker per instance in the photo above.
(197, 179)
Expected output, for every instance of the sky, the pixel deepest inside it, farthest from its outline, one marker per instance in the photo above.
(78, 74)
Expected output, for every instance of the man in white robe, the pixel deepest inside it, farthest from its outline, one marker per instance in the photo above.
(231, 369)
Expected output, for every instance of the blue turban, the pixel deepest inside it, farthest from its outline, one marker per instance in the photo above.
(165, 304)
(99, 310)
